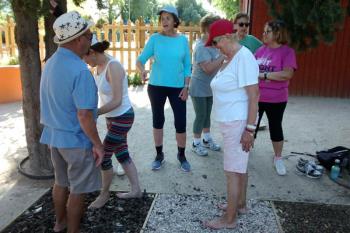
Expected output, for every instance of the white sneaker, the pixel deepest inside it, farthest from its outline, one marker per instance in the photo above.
(118, 169)
(199, 150)
(211, 145)
(279, 165)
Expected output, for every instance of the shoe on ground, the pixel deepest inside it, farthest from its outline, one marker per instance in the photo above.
(302, 162)
(199, 150)
(310, 169)
(119, 170)
(158, 161)
(211, 145)
(279, 166)
(185, 166)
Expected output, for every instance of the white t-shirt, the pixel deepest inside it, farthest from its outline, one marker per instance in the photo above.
(230, 100)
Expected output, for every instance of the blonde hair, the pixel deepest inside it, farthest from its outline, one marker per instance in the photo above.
(240, 15)
(206, 21)
(279, 31)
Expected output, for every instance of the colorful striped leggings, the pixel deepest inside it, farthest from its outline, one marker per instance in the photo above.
(116, 139)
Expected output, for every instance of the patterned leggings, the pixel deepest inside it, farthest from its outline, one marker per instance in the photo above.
(116, 139)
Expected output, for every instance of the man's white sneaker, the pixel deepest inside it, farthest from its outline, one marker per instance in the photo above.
(279, 165)
(211, 145)
(118, 169)
(199, 149)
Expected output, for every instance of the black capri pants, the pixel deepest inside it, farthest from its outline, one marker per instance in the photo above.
(274, 113)
(157, 96)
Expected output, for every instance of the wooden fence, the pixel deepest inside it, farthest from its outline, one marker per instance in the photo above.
(127, 40)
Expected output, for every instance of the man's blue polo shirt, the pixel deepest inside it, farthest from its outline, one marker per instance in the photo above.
(66, 86)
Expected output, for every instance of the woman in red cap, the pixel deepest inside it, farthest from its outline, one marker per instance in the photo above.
(235, 106)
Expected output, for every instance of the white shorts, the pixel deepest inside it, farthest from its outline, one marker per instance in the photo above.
(235, 159)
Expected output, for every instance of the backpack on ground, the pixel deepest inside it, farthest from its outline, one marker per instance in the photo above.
(327, 157)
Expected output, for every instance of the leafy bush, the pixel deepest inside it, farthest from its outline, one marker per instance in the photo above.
(9, 61)
(13, 61)
(135, 80)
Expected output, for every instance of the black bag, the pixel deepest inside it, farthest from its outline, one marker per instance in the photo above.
(327, 157)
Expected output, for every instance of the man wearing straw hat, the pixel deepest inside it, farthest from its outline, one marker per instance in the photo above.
(68, 100)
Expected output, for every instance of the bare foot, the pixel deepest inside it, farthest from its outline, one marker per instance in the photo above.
(59, 227)
(219, 223)
(129, 195)
(223, 207)
(100, 201)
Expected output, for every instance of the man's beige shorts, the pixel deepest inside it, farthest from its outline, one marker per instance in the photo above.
(75, 168)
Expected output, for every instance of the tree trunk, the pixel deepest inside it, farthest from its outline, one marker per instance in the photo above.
(49, 19)
(27, 39)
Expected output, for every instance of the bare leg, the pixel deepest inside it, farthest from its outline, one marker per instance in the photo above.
(131, 173)
(228, 220)
(60, 197)
(75, 211)
(158, 136)
(197, 135)
(242, 203)
(107, 176)
(206, 130)
(277, 148)
(181, 139)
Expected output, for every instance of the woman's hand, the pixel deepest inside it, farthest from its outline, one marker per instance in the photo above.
(144, 76)
(184, 94)
(247, 141)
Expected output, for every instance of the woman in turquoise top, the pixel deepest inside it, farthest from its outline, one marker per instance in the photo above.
(169, 78)
(242, 24)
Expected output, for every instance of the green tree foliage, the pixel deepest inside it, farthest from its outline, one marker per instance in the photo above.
(229, 7)
(190, 11)
(5, 10)
(137, 8)
(309, 22)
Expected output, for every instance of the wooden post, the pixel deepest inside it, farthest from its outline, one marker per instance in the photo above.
(114, 38)
(121, 30)
(130, 37)
(13, 46)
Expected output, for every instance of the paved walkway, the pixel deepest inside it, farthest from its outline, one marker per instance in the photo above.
(310, 124)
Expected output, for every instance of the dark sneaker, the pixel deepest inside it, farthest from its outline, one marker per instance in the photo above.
(158, 161)
(185, 166)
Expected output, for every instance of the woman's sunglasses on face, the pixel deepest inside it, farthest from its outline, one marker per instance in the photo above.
(216, 40)
(244, 24)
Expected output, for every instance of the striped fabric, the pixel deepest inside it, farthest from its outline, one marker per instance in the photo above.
(116, 138)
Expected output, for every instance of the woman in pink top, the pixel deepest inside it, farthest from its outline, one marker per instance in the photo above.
(277, 64)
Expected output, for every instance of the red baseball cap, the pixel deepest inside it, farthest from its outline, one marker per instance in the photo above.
(219, 28)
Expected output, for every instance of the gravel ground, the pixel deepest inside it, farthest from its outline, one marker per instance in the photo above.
(183, 213)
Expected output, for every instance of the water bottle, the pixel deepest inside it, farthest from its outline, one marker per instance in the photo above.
(335, 170)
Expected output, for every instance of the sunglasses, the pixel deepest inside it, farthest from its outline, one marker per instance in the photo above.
(216, 40)
(88, 36)
(244, 24)
(266, 32)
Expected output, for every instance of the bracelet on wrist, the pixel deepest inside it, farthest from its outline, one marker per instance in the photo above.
(251, 127)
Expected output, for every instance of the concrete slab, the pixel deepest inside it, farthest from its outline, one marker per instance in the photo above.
(310, 124)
